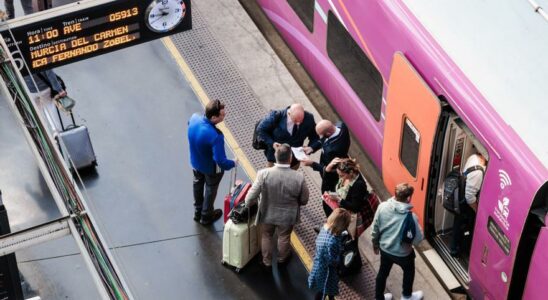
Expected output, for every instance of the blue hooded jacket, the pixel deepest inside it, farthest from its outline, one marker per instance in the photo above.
(207, 146)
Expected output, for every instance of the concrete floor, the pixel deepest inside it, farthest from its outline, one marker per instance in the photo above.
(135, 103)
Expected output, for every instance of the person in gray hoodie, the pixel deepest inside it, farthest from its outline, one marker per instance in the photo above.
(395, 231)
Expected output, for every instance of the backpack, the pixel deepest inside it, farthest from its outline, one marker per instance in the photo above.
(257, 143)
(408, 229)
(453, 189)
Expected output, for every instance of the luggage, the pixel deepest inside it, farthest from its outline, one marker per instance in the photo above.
(75, 141)
(241, 214)
(237, 194)
(454, 186)
(351, 261)
(240, 243)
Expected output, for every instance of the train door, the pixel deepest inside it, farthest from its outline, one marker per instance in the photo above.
(454, 144)
(412, 116)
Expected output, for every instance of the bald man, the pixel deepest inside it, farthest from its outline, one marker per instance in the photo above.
(335, 140)
(292, 126)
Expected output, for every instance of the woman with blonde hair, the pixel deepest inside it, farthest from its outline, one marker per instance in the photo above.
(324, 278)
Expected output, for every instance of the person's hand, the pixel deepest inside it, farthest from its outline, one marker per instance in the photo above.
(61, 94)
(236, 161)
(376, 250)
(276, 145)
(307, 162)
(307, 150)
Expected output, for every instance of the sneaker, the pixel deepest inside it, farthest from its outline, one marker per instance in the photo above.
(418, 295)
(216, 215)
(388, 296)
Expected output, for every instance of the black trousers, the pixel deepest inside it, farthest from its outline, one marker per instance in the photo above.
(203, 202)
(463, 222)
(407, 264)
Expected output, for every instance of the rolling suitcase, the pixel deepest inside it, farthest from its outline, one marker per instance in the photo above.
(237, 193)
(240, 243)
(76, 142)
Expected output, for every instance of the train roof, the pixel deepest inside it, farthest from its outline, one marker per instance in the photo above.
(502, 47)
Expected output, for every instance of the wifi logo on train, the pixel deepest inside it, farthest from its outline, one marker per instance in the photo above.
(504, 179)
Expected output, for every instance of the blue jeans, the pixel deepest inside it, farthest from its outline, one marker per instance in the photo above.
(203, 202)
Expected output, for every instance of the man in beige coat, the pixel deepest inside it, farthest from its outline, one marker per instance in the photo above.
(280, 192)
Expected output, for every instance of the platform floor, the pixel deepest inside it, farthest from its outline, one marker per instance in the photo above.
(136, 103)
(140, 194)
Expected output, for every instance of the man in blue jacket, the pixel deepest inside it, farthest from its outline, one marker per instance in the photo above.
(208, 160)
(395, 231)
(288, 126)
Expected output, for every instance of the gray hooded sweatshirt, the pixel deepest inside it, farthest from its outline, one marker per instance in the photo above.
(387, 226)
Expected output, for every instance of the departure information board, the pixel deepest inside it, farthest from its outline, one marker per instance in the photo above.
(90, 28)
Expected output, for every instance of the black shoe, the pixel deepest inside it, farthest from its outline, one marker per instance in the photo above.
(197, 216)
(216, 215)
(316, 229)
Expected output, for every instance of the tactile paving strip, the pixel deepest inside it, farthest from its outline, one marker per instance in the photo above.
(221, 79)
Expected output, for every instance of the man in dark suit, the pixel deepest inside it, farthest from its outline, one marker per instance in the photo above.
(291, 126)
(335, 141)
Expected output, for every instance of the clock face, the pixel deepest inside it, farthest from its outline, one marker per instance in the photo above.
(164, 15)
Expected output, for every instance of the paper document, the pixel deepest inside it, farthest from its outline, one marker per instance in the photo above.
(299, 153)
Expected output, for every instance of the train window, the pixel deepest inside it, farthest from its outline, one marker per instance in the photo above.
(305, 10)
(409, 152)
(354, 65)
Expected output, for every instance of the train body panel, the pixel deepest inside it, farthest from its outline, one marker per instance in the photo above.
(515, 172)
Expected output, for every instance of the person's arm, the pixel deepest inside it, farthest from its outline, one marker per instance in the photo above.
(255, 190)
(375, 232)
(418, 231)
(473, 185)
(313, 138)
(219, 155)
(331, 166)
(266, 126)
(304, 194)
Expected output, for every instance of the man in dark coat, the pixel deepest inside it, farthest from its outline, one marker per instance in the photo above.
(335, 141)
(291, 126)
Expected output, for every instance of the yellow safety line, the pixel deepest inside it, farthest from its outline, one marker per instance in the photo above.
(238, 151)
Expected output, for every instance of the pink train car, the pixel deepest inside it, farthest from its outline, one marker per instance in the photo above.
(425, 84)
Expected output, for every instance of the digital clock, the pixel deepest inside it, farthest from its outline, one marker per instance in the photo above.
(85, 29)
(48, 35)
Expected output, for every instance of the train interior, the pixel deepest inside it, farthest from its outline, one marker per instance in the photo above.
(458, 144)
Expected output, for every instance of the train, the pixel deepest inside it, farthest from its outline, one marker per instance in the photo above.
(422, 85)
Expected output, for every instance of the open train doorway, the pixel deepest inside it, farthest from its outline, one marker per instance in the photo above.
(454, 145)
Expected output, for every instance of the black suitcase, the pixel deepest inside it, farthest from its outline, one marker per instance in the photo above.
(75, 145)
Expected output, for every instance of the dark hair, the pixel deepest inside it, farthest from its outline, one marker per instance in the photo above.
(348, 165)
(213, 108)
(283, 154)
(403, 191)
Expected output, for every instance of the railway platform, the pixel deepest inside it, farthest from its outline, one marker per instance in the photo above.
(136, 103)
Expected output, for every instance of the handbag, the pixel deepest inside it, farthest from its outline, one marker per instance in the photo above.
(367, 214)
(241, 213)
(351, 261)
